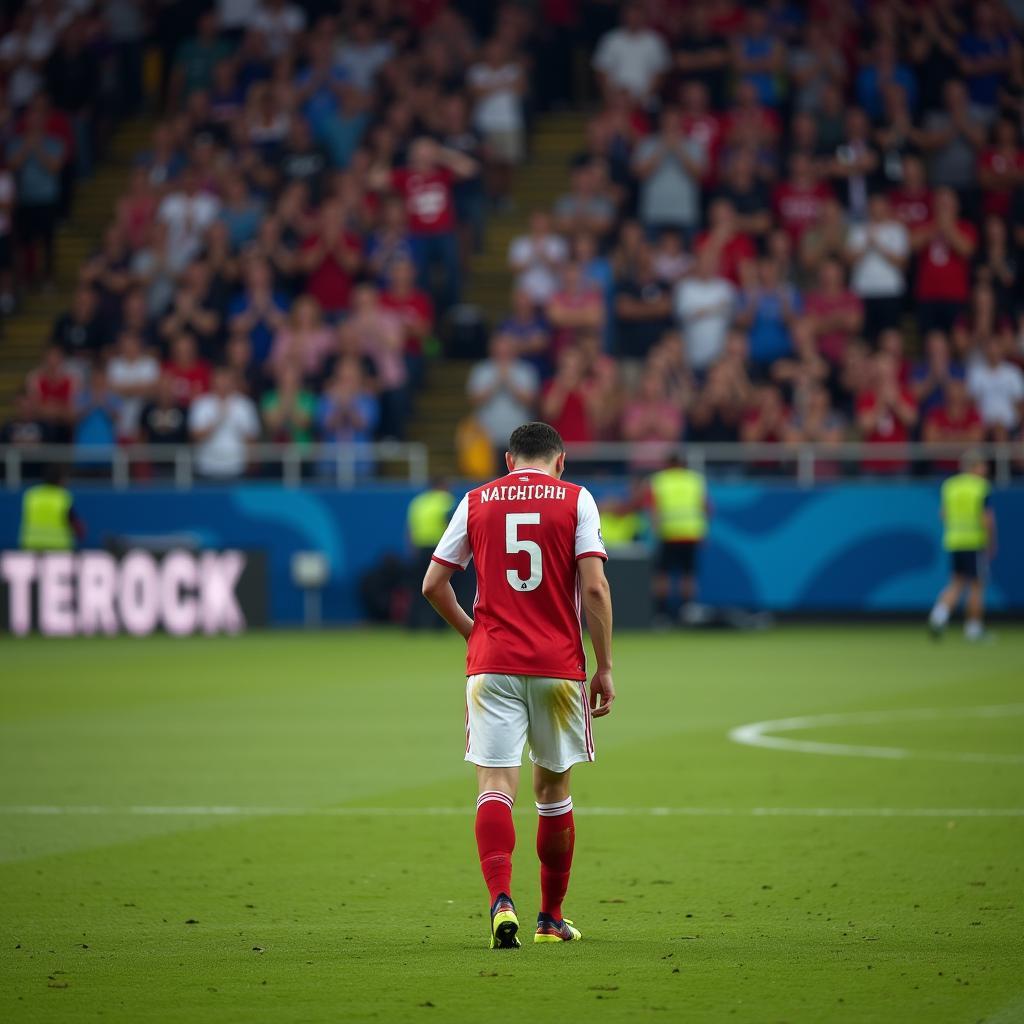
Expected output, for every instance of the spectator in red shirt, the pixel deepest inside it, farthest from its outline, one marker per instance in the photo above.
(136, 208)
(189, 375)
(416, 311)
(767, 420)
(912, 201)
(798, 201)
(1001, 169)
(945, 245)
(425, 184)
(835, 314)
(750, 123)
(955, 421)
(577, 306)
(331, 258)
(736, 251)
(886, 413)
(564, 403)
(51, 392)
(602, 386)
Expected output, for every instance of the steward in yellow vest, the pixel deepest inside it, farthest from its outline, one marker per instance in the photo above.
(969, 534)
(679, 508)
(426, 520)
(48, 521)
(619, 528)
(428, 516)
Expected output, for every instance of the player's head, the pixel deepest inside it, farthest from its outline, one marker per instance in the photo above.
(973, 461)
(538, 445)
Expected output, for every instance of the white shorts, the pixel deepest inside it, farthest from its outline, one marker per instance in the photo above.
(503, 712)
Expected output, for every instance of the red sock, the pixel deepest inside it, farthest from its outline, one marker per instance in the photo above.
(556, 835)
(495, 840)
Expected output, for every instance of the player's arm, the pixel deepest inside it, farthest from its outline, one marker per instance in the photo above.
(437, 589)
(597, 601)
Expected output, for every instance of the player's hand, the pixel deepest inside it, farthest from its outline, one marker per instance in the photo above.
(602, 693)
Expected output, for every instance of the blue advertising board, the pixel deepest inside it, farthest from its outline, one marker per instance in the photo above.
(844, 547)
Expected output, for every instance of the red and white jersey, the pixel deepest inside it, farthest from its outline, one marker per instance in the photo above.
(526, 532)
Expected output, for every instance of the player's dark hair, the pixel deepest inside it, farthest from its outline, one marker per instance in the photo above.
(535, 441)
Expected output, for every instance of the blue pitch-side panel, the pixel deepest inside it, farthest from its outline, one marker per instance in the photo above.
(843, 547)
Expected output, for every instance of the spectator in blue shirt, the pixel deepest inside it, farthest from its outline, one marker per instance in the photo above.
(348, 413)
(164, 162)
(984, 59)
(241, 212)
(391, 243)
(598, 270)
(768, 309)
(97, 409)
(930, 376)
(341, 131)
(259, 310)
(253, 60)
(527, 326)
(758, 57)
(885, 69)
(318, 88)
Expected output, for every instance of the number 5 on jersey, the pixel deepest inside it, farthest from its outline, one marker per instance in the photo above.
(514, 545)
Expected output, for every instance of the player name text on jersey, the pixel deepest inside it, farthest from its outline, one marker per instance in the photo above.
(525, 492)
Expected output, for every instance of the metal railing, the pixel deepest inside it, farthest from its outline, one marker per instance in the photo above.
(291, 465)
(345, 465)
(807, 464)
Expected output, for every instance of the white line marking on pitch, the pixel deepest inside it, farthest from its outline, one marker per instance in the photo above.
(757, 734)
(98, 810)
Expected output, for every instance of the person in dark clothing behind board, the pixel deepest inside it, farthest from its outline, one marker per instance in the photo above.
(164, 422)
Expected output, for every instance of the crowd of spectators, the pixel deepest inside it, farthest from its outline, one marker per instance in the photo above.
(789, 223)
(286, 248)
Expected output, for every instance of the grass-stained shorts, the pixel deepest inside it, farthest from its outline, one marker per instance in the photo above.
(505, 712)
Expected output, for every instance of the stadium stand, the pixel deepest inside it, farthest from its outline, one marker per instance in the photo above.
(706, 222)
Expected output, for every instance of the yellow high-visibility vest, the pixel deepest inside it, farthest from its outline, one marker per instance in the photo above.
(428, 517)
(963, 512)
(45, 525)
(679, 504)
(618, 529)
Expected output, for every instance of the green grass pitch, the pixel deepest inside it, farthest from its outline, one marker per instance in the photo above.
(339, 880)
